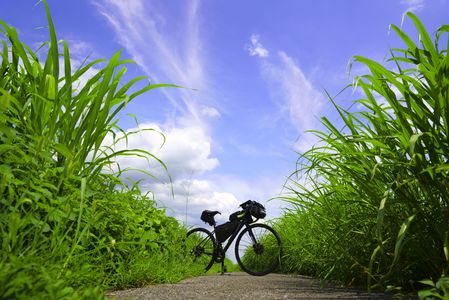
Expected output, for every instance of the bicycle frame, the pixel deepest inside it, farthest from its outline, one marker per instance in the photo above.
(245, 235)
(242, 223)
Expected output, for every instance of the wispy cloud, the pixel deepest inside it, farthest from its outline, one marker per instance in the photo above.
(168, 47)
(301, 99)
(294, 93)
(304, 102)
(413, 5)
(172, 50)
(255, 48)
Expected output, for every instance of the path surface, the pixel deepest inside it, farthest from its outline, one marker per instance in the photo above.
(243, 286)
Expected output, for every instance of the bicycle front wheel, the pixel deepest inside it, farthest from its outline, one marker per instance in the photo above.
(258, 249)
(200, 248)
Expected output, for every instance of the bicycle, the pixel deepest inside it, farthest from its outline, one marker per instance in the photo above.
(257, 248)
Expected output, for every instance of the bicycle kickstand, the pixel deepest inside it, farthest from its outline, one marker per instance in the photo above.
(224, 270)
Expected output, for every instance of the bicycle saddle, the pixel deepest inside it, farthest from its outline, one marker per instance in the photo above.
(208, 216)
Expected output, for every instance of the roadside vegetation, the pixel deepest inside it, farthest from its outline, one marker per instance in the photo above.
(370, 202)
(69, 228)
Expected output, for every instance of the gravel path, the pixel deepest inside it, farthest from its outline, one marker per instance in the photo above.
(243, 286)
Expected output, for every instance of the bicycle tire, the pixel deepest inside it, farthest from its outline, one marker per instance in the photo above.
(200, 247)
(262, 257)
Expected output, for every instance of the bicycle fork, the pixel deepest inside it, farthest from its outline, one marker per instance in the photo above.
(258, 248)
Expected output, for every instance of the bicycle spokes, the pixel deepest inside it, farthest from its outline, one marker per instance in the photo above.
(200, 248)
(258, 249)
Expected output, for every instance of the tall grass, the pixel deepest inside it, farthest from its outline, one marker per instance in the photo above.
(67, 228)
(375, 206)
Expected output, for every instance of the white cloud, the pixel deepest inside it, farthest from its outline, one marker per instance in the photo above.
(220, 192)
(413, 5)
(297, 98)
(210, 112)
(256, 48)
(88, 74)
(191, 197)
(79, 49)
(186, 151)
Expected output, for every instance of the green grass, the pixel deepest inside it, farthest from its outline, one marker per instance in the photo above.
(68, 229)
(374, 211)
(371, 199)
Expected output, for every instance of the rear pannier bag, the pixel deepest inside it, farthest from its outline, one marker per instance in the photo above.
(224, 231)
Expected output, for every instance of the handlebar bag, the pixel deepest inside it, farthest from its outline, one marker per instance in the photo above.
(257, 210)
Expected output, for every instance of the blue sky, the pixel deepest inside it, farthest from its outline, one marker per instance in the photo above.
(254, 73)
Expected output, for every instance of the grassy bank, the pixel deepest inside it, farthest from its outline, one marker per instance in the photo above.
(68, 229)
(370, 200)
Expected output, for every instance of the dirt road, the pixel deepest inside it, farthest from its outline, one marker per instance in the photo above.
(243, 286)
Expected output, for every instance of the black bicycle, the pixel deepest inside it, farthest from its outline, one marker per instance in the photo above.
(257, 248)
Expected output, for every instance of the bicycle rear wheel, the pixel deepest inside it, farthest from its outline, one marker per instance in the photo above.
(258, 249)
(200, 248)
